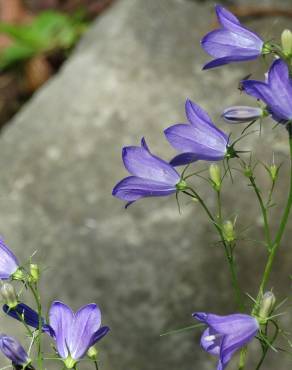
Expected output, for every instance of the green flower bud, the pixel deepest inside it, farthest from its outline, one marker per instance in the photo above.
(266, 306)
(215, 176)
(92, 353)
(247, 171)
(18, 275)
(182, 185)
(228, 231)
(286, 40)
(34, 272)
(8, 294)
(274, 172)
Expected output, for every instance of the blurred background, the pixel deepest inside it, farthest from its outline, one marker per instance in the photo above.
(81, 79)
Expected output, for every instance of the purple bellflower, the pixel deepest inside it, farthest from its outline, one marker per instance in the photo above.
(8, 262)
(151, 176)
(232, 42)
(13, 350)
(242, 114)
(75, 333)
(200, 139)
(224, 335)
(276, 92)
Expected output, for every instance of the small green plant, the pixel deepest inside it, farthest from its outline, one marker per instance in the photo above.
(48, 32)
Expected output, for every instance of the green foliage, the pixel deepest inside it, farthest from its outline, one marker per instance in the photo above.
(47, 32)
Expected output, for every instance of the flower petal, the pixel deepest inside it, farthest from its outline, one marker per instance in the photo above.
(141, 163)
(205, 145)
(233, 342)
(225, 17)
(183, 159)
(25, 313)
(8, 261)
(133, 188)
(87, 321)
(226, 60)
(231, 23)
(222, 43)
(277, 101)
(211, 342)
(99, 335)
(61, 318)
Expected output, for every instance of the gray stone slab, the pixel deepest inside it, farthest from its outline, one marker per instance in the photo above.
(148, 267)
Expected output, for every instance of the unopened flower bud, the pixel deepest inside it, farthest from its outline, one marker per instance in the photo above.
(18, 275)
(14, 351)
(34, 272)
(228, 231)
(242, 114)
(215, 176)
(274, 172)
(247, 171)
(286, 39)
(267, 305)
(8, 294)
(92, 353)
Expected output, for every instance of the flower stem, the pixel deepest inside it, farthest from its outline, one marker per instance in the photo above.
(264, 212)
(276, 243)
(227, 249)
(273, 246)
(35, 291)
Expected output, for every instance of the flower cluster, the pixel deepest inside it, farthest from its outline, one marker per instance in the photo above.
(201, 140)
(74, 334)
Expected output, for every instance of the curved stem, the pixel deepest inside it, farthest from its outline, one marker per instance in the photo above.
(228, 251)
(264, 212)
(35, 292)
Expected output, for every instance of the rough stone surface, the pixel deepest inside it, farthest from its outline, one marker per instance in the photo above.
(148, 267)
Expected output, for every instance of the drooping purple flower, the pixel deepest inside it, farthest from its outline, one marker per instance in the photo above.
(232, 42)
(23, 312)
(13, 350)
(74, 333)
(276, 92)
(200, 139)
(242, 114)
(8, 262)
(224, 335)
(151, 176)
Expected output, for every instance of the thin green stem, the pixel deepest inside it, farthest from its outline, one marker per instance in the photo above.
(276, 243)
(96, 364)
(35, 291)
(264, 212)
(242, 358)
(219, 207)
(228, 251)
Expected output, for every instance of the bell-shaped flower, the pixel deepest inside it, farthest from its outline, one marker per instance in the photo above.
(276, 92)
(242, 114)
(8, 262)
(224, 335)
(151, 176)
(14, 351)
(200, 139)
(232, 42)
(75, 333)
